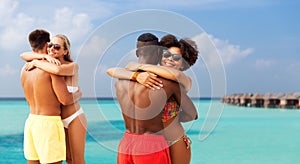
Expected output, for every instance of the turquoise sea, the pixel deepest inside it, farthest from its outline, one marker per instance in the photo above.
(242, 135)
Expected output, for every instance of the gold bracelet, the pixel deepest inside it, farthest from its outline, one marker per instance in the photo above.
(134, 76)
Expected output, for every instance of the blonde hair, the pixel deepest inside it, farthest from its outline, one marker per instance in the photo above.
(67, 46)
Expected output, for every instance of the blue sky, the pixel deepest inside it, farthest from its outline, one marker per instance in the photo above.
(245, 46)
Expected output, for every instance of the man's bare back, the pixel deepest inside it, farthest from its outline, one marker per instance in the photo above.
(142, 107)
(45, 92)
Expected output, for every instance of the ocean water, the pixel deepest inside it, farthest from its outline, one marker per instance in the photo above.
(242, 135)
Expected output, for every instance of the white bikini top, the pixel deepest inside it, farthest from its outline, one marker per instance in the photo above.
(72, 89)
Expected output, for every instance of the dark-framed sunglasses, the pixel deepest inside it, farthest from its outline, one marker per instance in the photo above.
(55, 46)
(167, 54)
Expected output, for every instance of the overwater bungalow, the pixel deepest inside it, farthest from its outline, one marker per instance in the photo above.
(274, 100)
(268, 100)
(289, 100)
(245, 99)
(228, 99)
(257, 100)
(298, 105)
(242, 100)
(231, 99)
(237, 99)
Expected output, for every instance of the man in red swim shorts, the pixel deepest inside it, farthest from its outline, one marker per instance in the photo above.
(143, 141)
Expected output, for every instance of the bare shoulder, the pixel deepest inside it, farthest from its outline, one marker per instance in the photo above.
(73, 64)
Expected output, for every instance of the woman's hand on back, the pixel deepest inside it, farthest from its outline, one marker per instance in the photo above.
(149, 80)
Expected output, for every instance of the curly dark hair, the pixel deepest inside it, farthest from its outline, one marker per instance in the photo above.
(187, 47)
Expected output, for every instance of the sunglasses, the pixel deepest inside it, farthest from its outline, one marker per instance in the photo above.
(55, 46)
(167, 54)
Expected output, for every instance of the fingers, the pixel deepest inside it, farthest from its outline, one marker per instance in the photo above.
(154, 84)
(29, 66)
(26, 67)
(149, 80)
(155, 81)
(149, 86)
(57, 62)
(52, 60)
(149, 83)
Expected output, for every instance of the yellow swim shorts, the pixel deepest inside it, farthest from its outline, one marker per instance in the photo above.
(44, 139)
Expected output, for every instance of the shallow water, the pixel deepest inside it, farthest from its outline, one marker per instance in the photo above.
(242, 135)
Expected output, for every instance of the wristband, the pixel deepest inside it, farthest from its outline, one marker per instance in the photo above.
(134, 76)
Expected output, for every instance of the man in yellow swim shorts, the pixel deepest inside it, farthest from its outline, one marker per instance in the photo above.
(44, 138)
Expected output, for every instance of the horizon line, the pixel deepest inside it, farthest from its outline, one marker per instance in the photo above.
(107, 98)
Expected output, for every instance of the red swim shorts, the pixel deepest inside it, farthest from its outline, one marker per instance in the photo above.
(144, 149)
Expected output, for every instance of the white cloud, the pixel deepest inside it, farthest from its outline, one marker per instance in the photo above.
(8, 70)
(263, 63)
(14, 26)
(74, 25)
(199, 5)
(229, 53)
(93, 47)
(7, 8)
(15, 33)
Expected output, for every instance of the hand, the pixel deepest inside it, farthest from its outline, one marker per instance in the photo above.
(52, 60)
(29, 65)
(149, 80)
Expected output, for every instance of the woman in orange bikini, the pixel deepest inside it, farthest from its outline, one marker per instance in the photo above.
(73, 117)
(177, 56)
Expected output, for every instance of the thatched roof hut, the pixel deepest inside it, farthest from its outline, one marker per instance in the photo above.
(274, 100)
(245, 99)
(237, 99)
(257, 100)
(290, 100)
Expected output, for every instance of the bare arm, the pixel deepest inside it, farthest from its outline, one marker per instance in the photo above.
(120, 73)
(144, 78)
(165, 72)
(60, 89)
(189, 111)
(63, 70)
(29, 56)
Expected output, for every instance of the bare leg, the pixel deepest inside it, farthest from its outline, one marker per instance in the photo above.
(38, 162)
(77, 137)
(33, 162)
(179, 153)
(60, 162)
(68, 155)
